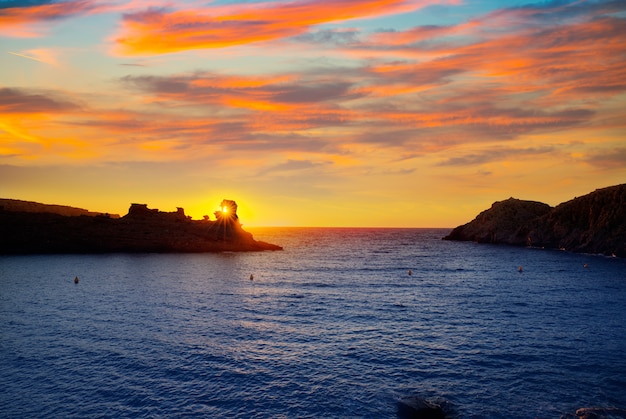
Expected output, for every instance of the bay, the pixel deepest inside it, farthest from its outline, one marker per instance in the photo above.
(333, 326)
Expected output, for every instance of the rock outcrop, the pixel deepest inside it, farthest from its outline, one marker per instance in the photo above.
(505, 222)
(416, 407)
(141, 230)
(594, 223)
(597, 413)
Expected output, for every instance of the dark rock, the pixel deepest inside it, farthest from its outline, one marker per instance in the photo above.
(594, 223)
(416, 407)
(17, 205)
(597, 413)
(141, 230)
(505, 222)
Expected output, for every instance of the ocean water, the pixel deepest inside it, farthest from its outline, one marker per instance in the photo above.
(333, 326)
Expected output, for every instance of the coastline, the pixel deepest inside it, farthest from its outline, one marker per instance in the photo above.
(142, 230)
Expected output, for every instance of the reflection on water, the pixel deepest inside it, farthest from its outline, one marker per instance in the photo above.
(331, 326)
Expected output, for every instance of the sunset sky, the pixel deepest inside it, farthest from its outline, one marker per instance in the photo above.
(414, 113)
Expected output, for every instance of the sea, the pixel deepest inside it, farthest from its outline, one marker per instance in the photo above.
(343, 323)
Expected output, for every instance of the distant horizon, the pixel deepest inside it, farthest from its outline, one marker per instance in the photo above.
(360, 112)
(212, 217)
(252, 225)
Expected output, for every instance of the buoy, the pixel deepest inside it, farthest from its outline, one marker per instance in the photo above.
(520, 269)
(410, 272)
(76, 280)
(251, 277)
(586, 265)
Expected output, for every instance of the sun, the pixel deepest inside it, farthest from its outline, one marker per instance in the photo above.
(227, 210)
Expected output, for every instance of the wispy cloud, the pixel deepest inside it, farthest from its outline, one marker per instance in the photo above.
(28, 57)
(495, 154)
(610, 158)
(33, 101)
(166, 30)
(46, 56)
(425, 91)
(293, 165)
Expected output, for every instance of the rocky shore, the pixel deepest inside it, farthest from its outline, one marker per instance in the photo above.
(416, 407)
(141, 230)
(593, 223)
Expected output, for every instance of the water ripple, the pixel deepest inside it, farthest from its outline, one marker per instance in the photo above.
(333, 326)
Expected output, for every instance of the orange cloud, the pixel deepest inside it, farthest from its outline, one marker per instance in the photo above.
(425, 95)
(498, 82)
(158, 31)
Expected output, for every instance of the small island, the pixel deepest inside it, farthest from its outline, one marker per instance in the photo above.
(593, 223)
(32, 228)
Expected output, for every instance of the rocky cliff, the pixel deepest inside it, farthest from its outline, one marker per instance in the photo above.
(141, 230)
(594, 223)
(505, 222)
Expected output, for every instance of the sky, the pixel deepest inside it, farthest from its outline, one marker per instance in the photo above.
(381, 113)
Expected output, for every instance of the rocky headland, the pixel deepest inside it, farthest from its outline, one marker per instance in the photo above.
(16, 205)
(593, 223)
(28, 228)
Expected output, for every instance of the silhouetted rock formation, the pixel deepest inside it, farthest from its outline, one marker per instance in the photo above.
(29, 206)
(504, 222)
(141, 230)
(594, 223)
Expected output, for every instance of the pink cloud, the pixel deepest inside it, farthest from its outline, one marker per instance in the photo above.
(22, 21)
